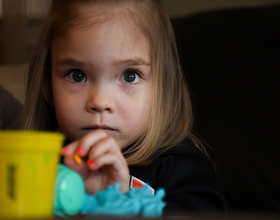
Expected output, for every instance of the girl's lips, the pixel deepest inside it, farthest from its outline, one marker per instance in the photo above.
(103, 127)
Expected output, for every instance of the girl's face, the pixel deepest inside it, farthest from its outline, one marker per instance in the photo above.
(101, 79)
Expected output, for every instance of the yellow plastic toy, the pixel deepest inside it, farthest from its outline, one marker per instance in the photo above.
(28, 168)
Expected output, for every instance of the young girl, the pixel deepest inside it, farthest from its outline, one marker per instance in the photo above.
(107, 74)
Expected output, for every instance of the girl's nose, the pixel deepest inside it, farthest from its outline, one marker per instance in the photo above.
(100, 101)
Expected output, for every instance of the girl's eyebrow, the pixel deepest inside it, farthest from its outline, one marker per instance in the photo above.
(133, 62)
(69, 62)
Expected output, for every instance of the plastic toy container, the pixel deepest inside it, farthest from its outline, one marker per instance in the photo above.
(28, 168)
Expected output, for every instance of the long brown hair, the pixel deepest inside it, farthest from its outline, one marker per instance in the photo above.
(171, 117)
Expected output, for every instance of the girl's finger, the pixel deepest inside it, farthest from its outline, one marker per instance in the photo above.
(117, 170)
(117, 165)
(70, 149)
(105, 145)
(80, 168)
(88, 141)
(81, 147)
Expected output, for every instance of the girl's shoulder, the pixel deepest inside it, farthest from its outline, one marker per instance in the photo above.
(188, 177)
(185, 149)
(183, 159)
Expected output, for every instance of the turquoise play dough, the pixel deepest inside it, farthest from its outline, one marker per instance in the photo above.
(113, 203)
(70, 198)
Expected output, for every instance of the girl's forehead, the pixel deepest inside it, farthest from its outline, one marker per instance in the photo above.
(134, 14)
(119, 34)
(106, 23)
(100, 13)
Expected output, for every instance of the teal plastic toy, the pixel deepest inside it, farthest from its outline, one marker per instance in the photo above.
(70, 198)
(69, 192)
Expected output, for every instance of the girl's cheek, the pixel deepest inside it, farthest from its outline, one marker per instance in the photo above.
(129, 90)
(133, 110)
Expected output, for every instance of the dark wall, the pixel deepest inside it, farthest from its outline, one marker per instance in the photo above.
(232, 61)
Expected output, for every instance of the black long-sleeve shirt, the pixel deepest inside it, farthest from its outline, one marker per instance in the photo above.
(189, 179)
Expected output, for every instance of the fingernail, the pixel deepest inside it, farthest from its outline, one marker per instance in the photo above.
(90, 163)
(79, 150)
(65, 149)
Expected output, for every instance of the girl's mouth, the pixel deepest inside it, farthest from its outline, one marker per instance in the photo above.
(103, 127)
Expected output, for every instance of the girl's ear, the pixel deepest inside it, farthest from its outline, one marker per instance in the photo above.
(47, 92)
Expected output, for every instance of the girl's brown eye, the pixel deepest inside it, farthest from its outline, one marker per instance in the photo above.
(77, 76)
(130, 77)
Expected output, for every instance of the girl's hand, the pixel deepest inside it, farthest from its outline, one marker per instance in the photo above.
(102, 162)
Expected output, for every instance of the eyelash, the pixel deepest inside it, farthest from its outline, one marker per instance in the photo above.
(138, 72)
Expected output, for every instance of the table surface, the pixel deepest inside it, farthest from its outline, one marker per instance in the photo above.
(236, 216)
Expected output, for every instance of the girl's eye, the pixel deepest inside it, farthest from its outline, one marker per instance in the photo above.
(130, 77)
(76, 76)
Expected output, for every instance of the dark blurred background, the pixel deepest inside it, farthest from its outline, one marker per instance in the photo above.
(230, 53)
(231, 59)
